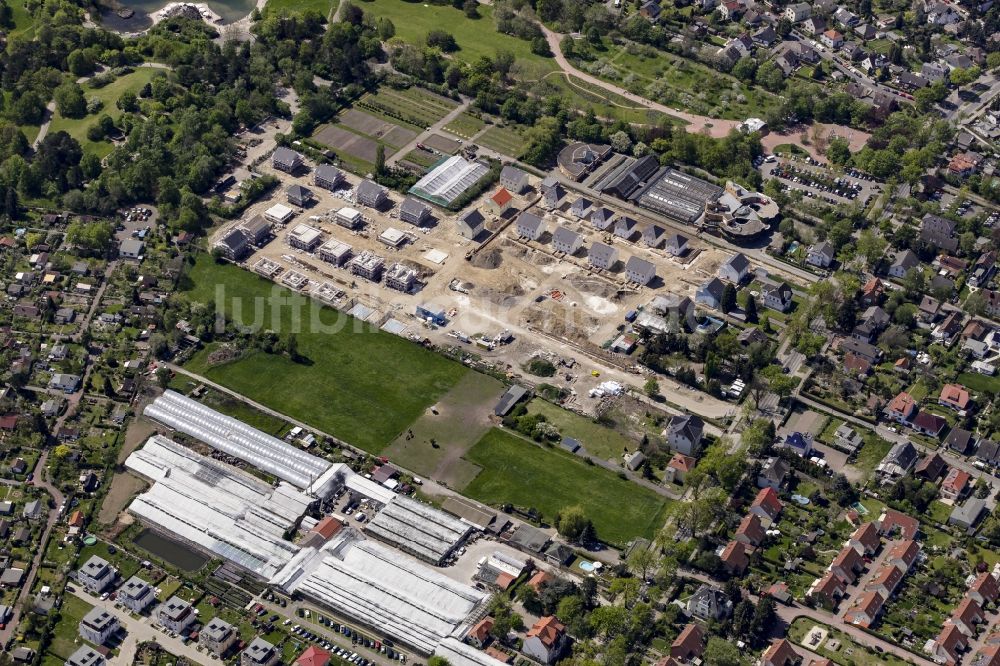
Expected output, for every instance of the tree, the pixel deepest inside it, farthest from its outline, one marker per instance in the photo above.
(750, 311)
(871, 246)
(380, 159)
(471, 9)
(975, 304)
(70, 101)
(720, 652)
(641, 562)
(839, 151)
(442, 39)
(571, 521)
(784, 27)
(386, 28)
(621, 142)
(651, 387)
(728, 301)
(163, 377)
(128, 102)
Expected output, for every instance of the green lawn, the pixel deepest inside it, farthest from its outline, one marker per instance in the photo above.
(506, 140)
(850, 653)
(324, 7)
(356, 382)
(109, 94)
(871, 453)
(979, 383)
(465, 126)
(24, 24)
(598, 440)
(519, 472)
(66, 635)
(475, 37)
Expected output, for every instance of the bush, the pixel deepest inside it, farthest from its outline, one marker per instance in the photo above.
(541, 367)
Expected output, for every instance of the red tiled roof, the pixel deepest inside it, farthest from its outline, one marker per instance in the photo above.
(327, 527)
(986, 586)
(956, 395)
(967, 611)
(780, 653)
(751, 528)
(903, 403)
(538, 579)
(681, 462)
(904, 551)
(956, 480)
(502, 197)
(893, 520)
(482, 629)
(548, 629)
(867, 535)
(735, 557)
(504, 580)
(767, 499)
(313, 656)
(690, 644)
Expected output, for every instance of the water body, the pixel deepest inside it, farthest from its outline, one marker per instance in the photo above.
(230, 11)
(170, 551)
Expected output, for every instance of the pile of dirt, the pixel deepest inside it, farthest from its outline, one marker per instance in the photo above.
(224, 354)
(542, 259)
(596, 286)
(488, 259)
(503, 295)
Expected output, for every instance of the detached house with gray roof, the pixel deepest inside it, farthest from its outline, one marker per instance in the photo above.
(529, 226)
(683, 434)
(602, 256)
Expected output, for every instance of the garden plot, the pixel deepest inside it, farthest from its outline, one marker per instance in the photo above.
(442, 144)
(389, 133)
(413, 105)
(344, 141)
(503, 140)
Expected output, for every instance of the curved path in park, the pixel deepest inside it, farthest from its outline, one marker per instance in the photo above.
(716, 127)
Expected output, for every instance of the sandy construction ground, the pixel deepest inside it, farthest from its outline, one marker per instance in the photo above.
(553, 305)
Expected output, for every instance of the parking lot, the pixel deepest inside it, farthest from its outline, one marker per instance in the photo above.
(816, 182)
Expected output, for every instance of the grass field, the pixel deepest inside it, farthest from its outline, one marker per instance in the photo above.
(324, 7)
(24, 24)
(979, 383)
(109, 94)
(871, 453)
(475, 37)
(598, 440)
(503, 140)
(357, 382)
(850, 653)
(465, 126)
(66, 635)
(438, 441)
(521, 473)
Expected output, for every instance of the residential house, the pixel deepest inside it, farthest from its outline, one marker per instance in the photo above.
(847, 565)
(968, 514)
(96, 574)
(709, 603)
(471, 224)
(773, 473)
(831, 39)
(136, 594)
(929, 424)
(797, 12)
(780, 653)
(676, 245)
(689, 645)
(529, 226)
(949, 645)
(300, 196)
(639, 270)
(652, 235)
(984, 590)
(513, 179)
(902, 408)
(566, 240)
(625, 227)
(710, 293)
(930, 467)
(799, 444)
(865, 610)
(750, 531)
(954, 396)
(679, 467)
(602, 256)
(866, 539)
(766, 505)
(902, 263)
(939, 232)
(898, 461)
(218, 636)
(260, 653)
(683, 434)
(500, 202)
(828, 590)
(778, 296)
(735, 269)
(602, 218)
(86, 656)
(98, 625)
(546, 640)
(966, 616)
(885, 581)
(580, 208)
(820, 254)
(328, 177)
(734, 558)
(955, 484)
(371, 194)
(960, 440)
(286, 159)
(313, 656)
(903, 554)
(413, 211)
(176, 614)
